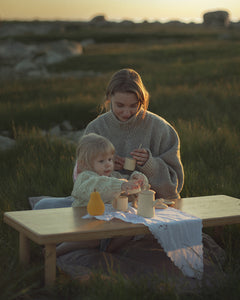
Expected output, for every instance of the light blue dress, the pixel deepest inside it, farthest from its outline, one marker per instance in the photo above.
(54, 202)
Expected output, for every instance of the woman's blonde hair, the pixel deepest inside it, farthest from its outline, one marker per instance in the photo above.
(127, 81)
(89, 147)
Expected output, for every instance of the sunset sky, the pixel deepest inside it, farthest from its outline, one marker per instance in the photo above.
(115, 10)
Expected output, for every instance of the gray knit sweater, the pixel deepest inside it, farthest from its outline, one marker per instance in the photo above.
(163, 169)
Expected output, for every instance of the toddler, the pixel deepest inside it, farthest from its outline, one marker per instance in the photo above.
(95, 170)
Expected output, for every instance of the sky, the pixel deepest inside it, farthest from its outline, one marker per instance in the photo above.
(116, 10)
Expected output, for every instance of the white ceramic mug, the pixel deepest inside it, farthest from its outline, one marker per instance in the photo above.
(129, 164)
(146, 204)
(120, 203)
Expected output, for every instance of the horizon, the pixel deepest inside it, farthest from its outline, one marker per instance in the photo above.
(186, 11)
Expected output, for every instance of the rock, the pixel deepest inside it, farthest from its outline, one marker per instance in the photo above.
(52, 57)
(10, 49)
(5, 133)
(66, 125)
(126, 23)
(6, 143)
(63, 132)
(58, 51)
(25, 65)
(216, 18)
(56, 130)
(72, 136)
(31, 60)
(98, 19)
(76, 135)
(42, 72)
(87, 42)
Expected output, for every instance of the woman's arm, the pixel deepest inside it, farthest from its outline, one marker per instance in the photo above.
(164, 169)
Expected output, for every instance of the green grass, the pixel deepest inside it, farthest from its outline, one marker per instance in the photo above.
(133, 32)
(193, 80)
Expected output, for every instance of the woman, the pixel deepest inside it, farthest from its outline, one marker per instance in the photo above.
(135, 131)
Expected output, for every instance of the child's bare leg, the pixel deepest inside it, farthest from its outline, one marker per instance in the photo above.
(66, 247)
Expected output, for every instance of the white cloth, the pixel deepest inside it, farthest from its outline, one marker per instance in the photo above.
(179, 234)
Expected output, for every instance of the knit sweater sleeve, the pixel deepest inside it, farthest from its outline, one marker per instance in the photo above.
(164, 169)
(108, 187)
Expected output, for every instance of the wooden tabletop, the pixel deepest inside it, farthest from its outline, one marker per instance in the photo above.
(65, 224)
(214, 210)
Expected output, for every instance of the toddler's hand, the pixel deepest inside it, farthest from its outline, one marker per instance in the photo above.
(139, 178)
(130, 185)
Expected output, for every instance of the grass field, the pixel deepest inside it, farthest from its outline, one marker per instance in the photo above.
(193, 76)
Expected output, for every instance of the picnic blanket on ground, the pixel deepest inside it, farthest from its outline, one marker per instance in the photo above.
(142, 259)
(179, 234)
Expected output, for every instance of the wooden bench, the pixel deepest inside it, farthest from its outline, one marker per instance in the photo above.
(50, 227)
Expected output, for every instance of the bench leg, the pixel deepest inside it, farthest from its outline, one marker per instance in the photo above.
(24, 250)
(50, 264)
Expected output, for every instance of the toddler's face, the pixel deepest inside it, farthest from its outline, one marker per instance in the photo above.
(103, 165)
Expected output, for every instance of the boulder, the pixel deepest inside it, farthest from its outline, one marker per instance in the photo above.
(66, 125)
(98, 19)
(216, 18)
(19, 58)
(60, 50)
(38, 73)
(76, 135)
(56, 130)
(6, 143)
(63, 132)
(25, 65)
(126, 23)
(87, 42)
(11, 49)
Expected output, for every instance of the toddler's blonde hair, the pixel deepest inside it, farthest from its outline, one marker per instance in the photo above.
(89, 147)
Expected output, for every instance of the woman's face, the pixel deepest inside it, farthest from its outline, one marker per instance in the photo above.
(124, 105)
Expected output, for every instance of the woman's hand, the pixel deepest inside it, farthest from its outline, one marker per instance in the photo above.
(118, 163)
(141, 155)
